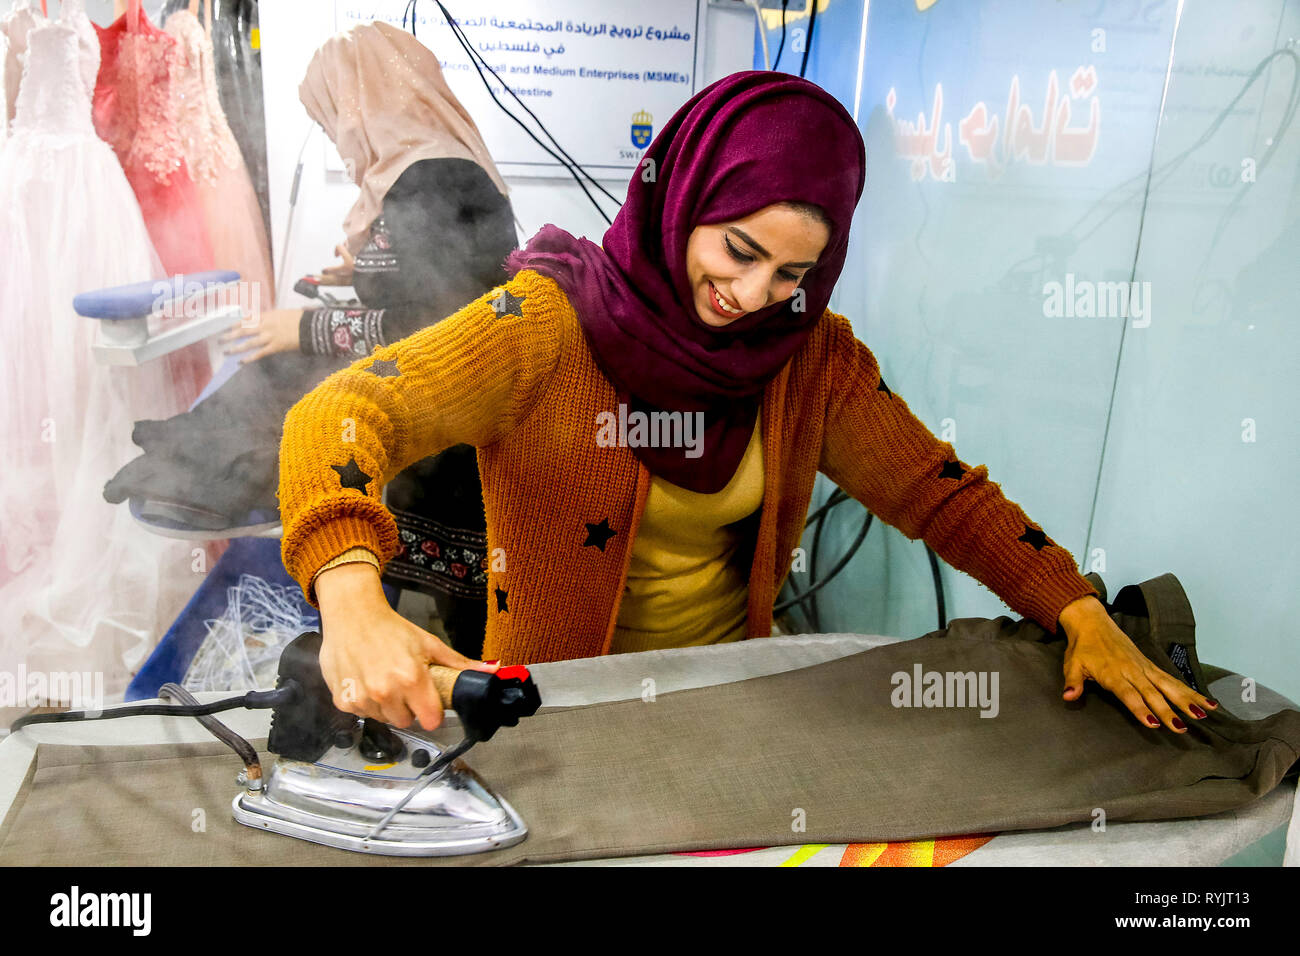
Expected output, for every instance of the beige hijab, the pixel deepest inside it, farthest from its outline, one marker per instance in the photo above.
(380, 95)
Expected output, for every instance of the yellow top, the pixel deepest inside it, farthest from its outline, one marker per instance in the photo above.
(682, 586)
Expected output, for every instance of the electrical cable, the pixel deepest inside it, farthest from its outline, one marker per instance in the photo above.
(568, 162)
(807, 47)
(814, 611)
(464, 43)
(831, 502)
(938, 587)
(475, 59)
(253, 700)
(781, 46)
(839, 566)
(802, 598)
(835, 498)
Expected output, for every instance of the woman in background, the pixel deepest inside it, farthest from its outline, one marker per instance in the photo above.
(429, 232)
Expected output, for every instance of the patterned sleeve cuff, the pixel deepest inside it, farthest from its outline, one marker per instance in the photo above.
(341, 332)
(307, 331)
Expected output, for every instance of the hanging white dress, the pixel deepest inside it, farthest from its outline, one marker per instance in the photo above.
(82, 587)
(15, 26)
(4, 90)
(19, 22)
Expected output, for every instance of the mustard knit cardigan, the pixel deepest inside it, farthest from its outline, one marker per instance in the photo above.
(511, 374)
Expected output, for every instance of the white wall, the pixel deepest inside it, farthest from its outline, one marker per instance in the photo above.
(292, 30)
(101, 11)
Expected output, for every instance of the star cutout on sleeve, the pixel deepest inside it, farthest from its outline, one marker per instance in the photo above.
(598, 535)
(384, 368)
(501, 600)
(882, 387)
(952, 469)
(1033, 536)
(351, 476)
(507, 304)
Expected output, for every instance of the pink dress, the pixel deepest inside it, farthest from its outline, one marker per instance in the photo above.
(231, 211)
(135, 113)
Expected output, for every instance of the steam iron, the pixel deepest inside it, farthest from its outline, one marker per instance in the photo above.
(339, 799)
(355, 783)
(358, 784)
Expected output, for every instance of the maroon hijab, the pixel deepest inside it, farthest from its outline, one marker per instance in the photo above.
(745, 142)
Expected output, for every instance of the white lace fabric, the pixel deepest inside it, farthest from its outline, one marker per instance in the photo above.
(15, 30)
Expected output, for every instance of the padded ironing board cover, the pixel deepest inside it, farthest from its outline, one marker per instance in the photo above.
(140, 298)
(742, 764)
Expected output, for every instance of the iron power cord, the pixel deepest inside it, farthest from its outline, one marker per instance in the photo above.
(253, 700)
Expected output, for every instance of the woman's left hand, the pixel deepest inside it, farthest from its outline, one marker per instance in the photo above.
(274, 331)
(1099, 651)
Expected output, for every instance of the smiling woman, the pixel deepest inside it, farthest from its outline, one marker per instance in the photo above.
(748, 264)
(706, 297)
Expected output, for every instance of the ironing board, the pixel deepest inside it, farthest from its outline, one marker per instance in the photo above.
(124, 312)
(1206, 841)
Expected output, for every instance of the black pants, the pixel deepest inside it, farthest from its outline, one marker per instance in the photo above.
(438, 506)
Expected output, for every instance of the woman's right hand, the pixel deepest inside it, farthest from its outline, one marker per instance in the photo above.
(376, 662)
(341, 274)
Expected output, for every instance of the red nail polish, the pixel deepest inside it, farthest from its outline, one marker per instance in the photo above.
(1212, 702)
(492, 662)
(1179, 725)
(1196, 711)
(1153, 720)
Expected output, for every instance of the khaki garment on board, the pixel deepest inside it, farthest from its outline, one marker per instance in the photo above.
(736, 765)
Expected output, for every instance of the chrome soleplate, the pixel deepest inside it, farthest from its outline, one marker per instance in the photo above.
(339, 799)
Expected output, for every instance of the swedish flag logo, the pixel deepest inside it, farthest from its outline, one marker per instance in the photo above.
(642, 129)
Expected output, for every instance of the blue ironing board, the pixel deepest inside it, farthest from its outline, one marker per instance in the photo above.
(138, 299)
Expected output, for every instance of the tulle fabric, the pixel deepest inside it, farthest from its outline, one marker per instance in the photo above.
(82, 587)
